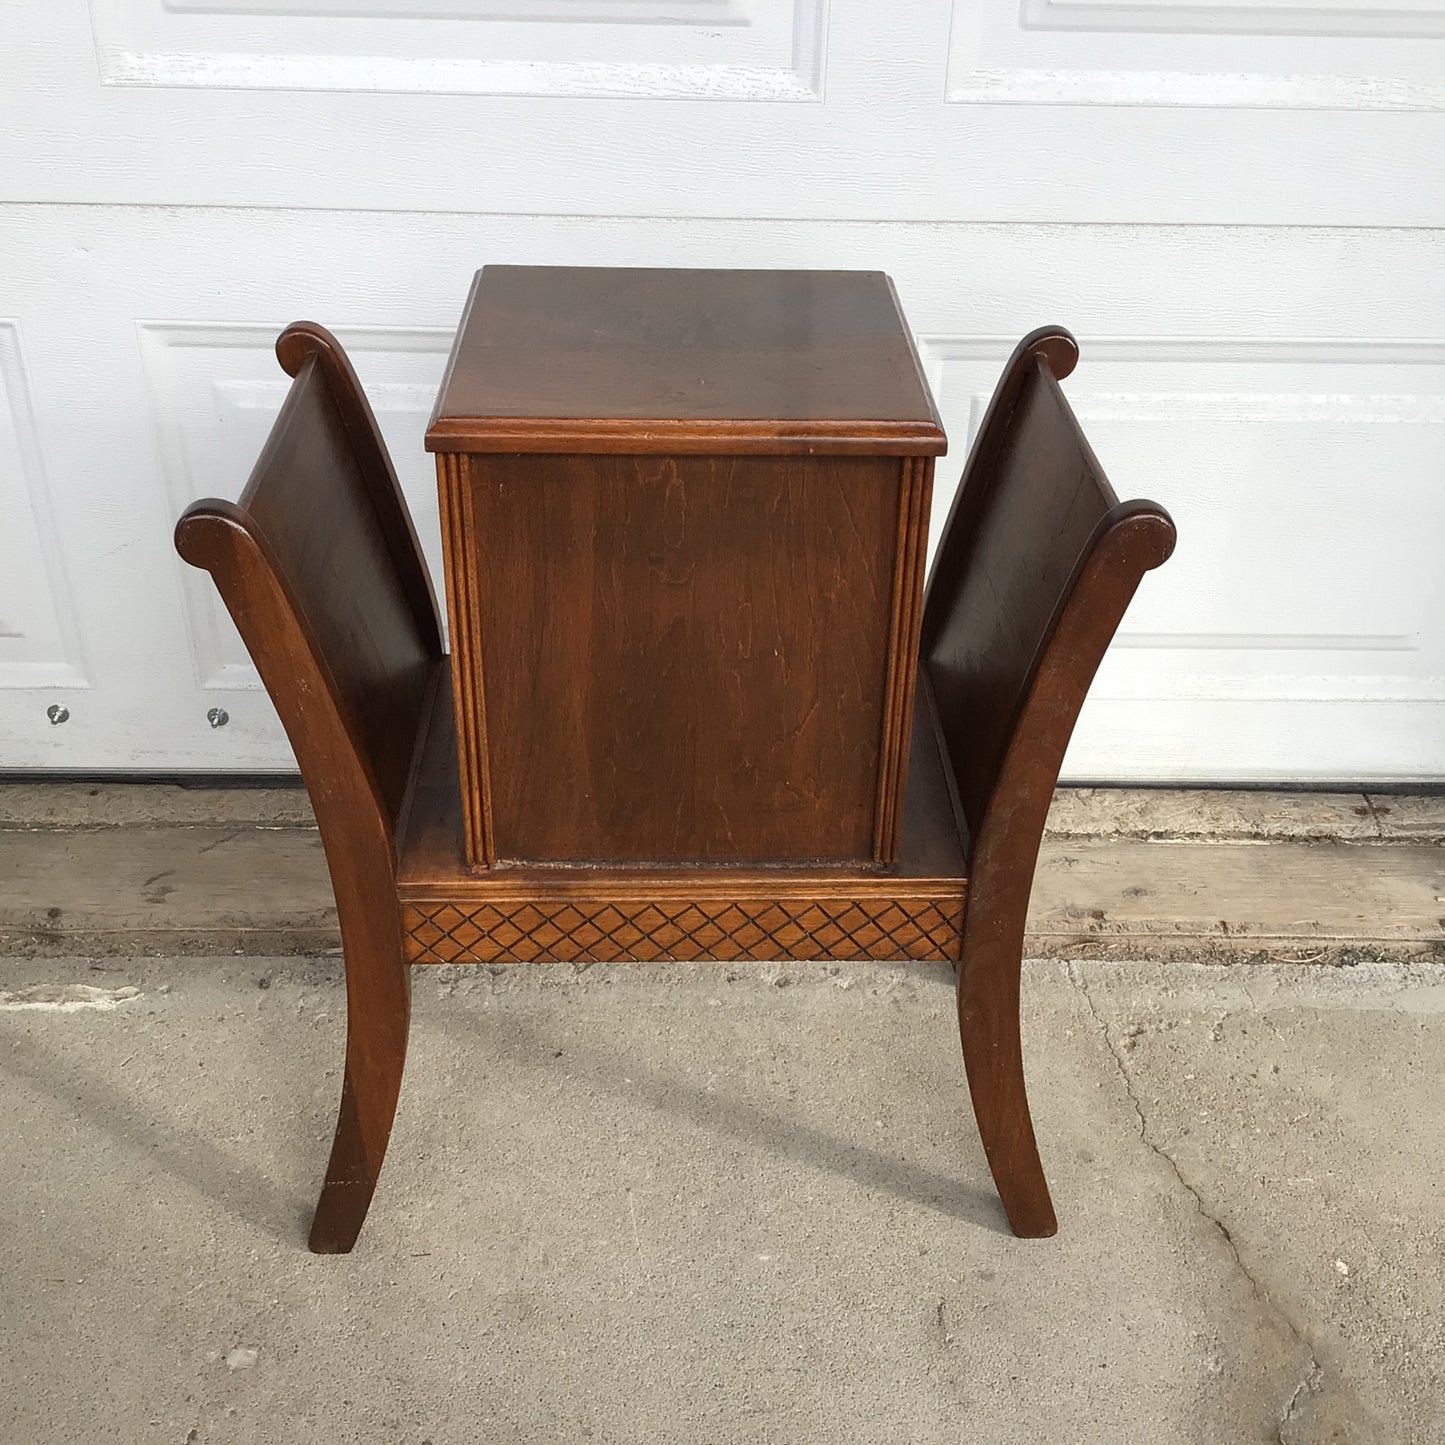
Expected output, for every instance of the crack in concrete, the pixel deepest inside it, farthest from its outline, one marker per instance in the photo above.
(1374, 816)
(1313, 1377)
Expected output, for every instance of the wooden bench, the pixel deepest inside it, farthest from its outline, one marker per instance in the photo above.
(319, 566)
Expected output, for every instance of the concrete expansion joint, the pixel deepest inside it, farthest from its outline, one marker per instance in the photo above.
(1313, 1378)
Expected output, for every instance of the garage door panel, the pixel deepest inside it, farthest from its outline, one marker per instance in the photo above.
(1235, 206)
(851, 122)
(1257, 740)
(1304, 468)
(40, 643)
(714, 49)
(216, 390)
(1338, 55)
(1308, 482)
(1273, 530)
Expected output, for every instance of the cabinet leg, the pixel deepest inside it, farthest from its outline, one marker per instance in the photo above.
(988, 1025)
(378, 1015)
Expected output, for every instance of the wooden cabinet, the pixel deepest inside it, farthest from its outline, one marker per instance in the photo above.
(685, 518)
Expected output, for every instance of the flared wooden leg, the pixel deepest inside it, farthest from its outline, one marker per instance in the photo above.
(988, 1025)
(378, 995)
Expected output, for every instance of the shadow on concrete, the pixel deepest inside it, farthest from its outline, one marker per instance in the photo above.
(227, 1182)
(731, 1117)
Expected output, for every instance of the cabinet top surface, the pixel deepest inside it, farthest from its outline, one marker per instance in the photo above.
(585, 359)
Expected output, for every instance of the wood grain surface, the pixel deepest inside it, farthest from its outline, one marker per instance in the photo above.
(683, 660)
(686, 634)
(657, 643)
(433, 864)
(319, 567)
(555, 358)
(1036, 564)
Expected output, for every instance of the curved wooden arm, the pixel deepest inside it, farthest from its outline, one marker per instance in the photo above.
(304, 339)
(319, 567)
(1037, 564)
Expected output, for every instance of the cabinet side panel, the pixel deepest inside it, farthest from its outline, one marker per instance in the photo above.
(915, 495)
(459, 557)
(687, 658)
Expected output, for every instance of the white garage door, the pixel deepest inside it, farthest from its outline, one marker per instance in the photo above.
(1230, 203)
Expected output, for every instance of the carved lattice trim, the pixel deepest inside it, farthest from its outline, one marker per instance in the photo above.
(567, 931)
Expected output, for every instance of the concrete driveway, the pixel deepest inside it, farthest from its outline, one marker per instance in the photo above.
(722, 1203)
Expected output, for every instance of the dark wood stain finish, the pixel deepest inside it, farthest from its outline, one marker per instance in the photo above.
(319, 567)
(615, 359)
(1037, 562)
(683, 658)
(318, 564)
(680, 646)
(641, 915)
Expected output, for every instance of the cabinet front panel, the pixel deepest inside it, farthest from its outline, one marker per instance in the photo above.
(680, 659)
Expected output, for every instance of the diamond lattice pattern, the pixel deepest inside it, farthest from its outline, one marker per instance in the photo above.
(607, 932)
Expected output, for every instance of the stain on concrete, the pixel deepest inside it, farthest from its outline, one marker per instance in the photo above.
(67, 998)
